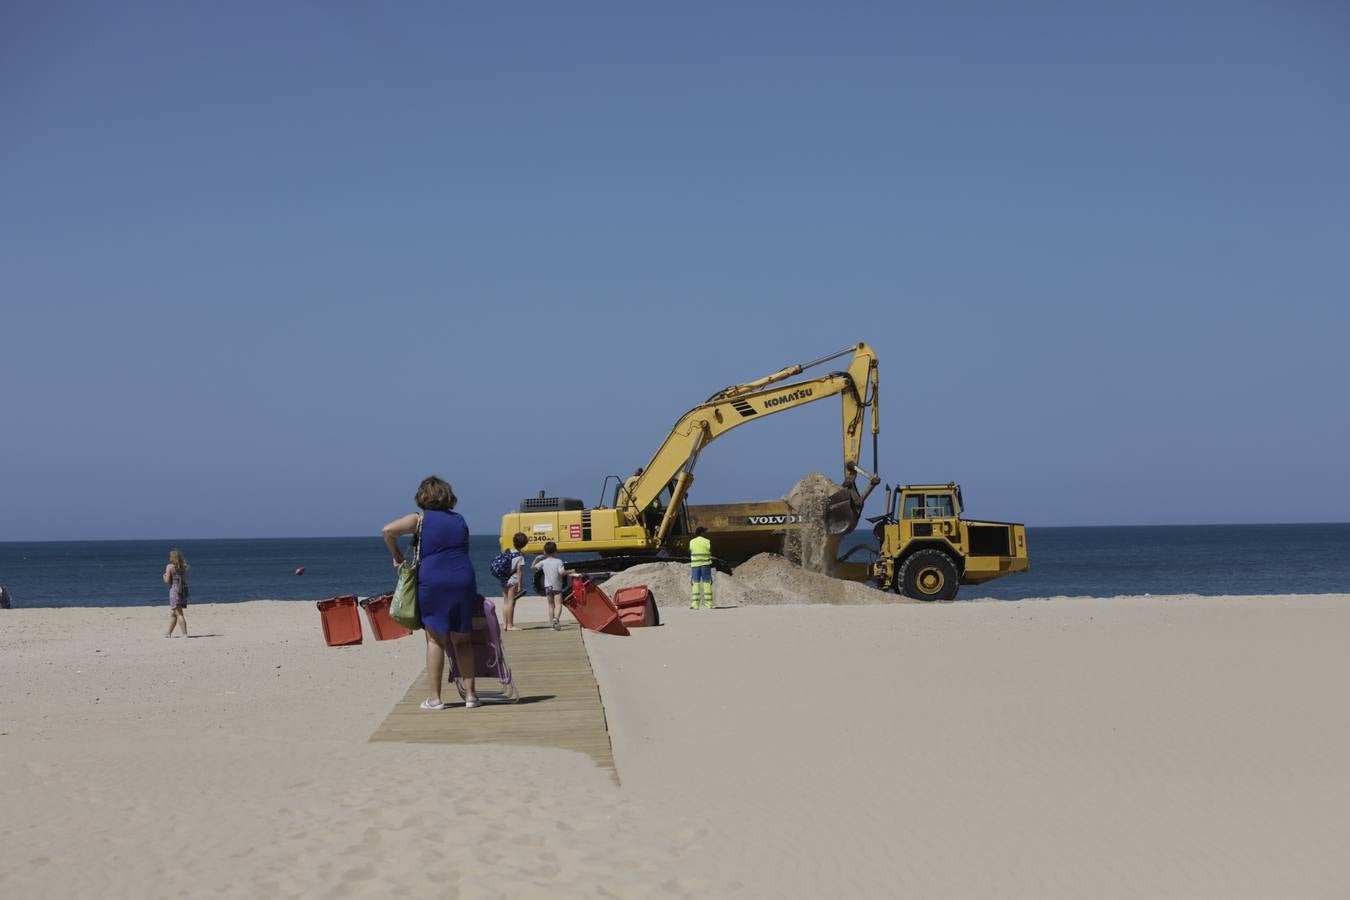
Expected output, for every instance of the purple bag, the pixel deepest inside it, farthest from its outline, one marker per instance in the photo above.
(489, 657)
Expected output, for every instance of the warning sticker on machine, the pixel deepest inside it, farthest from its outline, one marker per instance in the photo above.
(574, 532)
(542, 527)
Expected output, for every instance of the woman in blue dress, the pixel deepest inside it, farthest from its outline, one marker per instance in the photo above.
(446, 587)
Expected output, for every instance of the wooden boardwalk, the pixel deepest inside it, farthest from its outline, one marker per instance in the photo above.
(559, 701)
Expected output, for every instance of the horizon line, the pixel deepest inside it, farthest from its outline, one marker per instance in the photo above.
(376, 535)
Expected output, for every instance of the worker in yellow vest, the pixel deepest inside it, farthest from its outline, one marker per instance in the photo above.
(700, 570)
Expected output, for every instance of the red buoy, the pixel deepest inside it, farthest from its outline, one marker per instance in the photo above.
(300, 571)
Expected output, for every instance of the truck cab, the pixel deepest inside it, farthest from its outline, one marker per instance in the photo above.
(927, 549)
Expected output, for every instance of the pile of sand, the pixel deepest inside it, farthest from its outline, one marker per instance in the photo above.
(800, 576)
(772, 579)
(669, 584)
(764, 580)
(809, 543)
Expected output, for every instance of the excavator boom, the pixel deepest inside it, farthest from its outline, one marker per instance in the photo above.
(638, 525)
(736, 405)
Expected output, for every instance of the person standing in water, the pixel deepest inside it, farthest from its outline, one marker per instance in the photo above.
(175, 576)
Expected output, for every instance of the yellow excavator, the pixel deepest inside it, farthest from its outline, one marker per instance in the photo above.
(647, 514)
(924, 548)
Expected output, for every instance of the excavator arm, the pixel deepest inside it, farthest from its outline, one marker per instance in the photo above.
(673, 463)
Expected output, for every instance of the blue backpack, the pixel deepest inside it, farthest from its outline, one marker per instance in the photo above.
(501, 564)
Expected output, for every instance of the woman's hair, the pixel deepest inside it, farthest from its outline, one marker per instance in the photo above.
(435, 493)
(178, 562)
(519, 540)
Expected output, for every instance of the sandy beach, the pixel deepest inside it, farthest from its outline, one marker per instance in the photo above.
(1122, 747)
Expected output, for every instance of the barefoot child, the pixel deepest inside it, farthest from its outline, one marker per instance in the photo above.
(514, 585)
(175, 576)
(553, 570)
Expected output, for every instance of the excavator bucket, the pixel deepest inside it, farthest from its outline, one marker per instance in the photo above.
(841, 516)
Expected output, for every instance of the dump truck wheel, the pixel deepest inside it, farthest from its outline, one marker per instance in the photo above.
(928, 575)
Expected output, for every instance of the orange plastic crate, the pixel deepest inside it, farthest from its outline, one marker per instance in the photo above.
(382, 624)
(341, 621)
(637, 606)
(592, 608)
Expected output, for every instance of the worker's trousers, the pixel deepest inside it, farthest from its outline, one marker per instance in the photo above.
(700, 586)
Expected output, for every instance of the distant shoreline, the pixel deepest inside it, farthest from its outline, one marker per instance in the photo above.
(528, 598)
(169, 541)
(1112, 561)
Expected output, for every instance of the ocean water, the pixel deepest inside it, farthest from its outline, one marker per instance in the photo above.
(1193, 559)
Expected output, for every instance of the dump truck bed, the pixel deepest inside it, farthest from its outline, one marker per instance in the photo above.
(739, 531)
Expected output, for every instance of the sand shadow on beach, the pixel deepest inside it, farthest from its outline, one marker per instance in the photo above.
(192, 637)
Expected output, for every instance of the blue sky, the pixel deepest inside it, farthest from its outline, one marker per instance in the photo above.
(263, 266)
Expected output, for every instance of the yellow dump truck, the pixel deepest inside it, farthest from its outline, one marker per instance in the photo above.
(925, 550)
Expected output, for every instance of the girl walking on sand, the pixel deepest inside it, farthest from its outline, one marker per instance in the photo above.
(175, 576)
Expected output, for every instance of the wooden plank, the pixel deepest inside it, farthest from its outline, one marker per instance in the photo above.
(559, 702)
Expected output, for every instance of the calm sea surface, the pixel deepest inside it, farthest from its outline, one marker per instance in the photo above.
(1224, 559)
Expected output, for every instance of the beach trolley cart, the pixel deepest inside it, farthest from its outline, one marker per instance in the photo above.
(489, 658)
(341, 621)
(381, 623)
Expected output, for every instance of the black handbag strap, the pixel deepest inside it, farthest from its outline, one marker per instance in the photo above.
(417, 542)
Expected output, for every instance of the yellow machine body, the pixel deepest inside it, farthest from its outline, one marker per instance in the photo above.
(648, 514)
(738, 530)
(926, 548)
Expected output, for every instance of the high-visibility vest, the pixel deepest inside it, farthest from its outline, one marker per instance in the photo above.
(700, 552)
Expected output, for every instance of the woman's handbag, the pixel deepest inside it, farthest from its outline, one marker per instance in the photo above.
(403, 608)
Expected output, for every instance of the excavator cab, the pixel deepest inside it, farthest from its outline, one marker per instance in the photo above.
(621, 497)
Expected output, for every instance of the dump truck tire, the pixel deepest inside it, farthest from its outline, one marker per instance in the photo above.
(928, 575)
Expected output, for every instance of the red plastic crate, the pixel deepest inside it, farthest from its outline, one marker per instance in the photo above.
(341, 621)
(637, 607)
(381, 623)
(592, 608)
